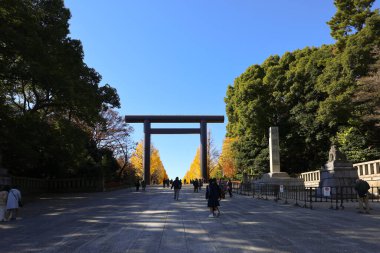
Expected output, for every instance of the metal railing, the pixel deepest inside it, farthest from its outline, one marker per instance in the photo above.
(306, 197)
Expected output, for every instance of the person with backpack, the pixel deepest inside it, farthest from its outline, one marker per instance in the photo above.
(362, 188)
(177, 186)
(13, 203)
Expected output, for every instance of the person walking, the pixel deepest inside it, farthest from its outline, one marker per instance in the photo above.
(137, 184)
(177, 186)
(14, 198)
(143, 185)
(229, 187)
(362, 188)
(195, 184)
(213, 195)
(3, 203)
(200, 184)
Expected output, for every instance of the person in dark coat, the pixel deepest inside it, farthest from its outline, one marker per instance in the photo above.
(177, 186)
(143, 185)
(195, 184)
(200, 184)
(362, 188)
(229, 187)
(213, 195)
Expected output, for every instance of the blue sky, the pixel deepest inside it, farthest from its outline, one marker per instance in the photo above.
(177, 57)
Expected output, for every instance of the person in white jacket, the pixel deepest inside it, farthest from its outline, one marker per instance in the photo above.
(14, 196)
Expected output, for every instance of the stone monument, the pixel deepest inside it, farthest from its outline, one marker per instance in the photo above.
(275, 176)
(274, 154)
(4, 177)
(338, 171)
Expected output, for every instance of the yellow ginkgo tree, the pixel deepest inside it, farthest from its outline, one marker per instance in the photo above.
(157, 169)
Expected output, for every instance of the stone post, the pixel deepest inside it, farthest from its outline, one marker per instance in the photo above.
(274, 150)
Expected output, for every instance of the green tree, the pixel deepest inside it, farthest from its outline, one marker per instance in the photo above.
(49, 97)
(310, 95)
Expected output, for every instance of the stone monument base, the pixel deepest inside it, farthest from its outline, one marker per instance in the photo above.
(338, 171)
(338, 174)
(338, 178)
(275, 175)
(280, 178)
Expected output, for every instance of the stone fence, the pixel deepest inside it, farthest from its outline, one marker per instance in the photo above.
(36, 185)
(368, 171)
(311, 178)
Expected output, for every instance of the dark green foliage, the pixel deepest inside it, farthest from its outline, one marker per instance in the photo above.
(350, 17)
(49, 98)
(35, 148)
(310, 95)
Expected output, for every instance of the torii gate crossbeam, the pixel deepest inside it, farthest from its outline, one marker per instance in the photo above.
(148, 119)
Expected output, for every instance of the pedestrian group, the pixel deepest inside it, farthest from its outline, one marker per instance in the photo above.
(10, 201)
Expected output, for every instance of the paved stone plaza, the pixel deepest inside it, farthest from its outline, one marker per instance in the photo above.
(125, 221)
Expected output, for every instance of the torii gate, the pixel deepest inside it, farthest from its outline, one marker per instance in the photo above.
(148, 119)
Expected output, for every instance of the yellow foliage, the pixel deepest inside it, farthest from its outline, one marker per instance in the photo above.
(137, 160)
(226, 159)
(157, 169)
(195, 169)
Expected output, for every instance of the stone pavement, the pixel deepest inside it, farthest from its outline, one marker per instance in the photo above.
(151, 221)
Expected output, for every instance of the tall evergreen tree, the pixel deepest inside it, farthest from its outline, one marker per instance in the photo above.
(350, 17)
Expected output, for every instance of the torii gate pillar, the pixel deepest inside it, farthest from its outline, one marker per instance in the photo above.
(146, 162)
(203, 149)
